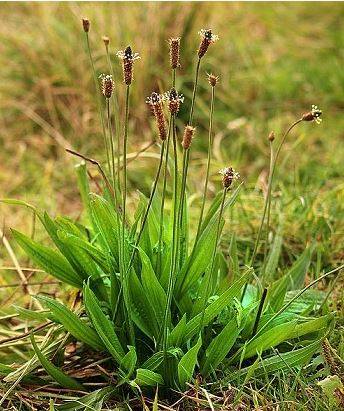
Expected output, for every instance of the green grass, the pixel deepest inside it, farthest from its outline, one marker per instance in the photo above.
(274, 61)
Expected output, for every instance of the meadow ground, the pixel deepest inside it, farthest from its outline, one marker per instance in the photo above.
(274, 61)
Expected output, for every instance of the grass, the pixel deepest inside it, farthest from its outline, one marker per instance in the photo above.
(48, 104)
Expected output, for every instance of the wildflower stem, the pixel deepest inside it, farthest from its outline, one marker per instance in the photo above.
(213, 257)
(124, 204)
(273, 168)
(194, 92)
(210, 143)
(259, 312)
(113, 171)
(99, 101)
(116, 113)
(174, 243)
(161, 228)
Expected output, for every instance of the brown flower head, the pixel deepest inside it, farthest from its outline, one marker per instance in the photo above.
(271, 136)
(128, 57)
(174, 52)
(107, 85)
(212, 79)
(207, 39)
(106, 41)
(174, 100)
(86, 25)
(188, 135)
(155, 102)
(313, 115)
(228, 176)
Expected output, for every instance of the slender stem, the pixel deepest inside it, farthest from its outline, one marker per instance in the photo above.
(99, 101)
(269, 206)
(124, 203)
(113, 171)
(173, 78)
(213, 257)
(174, 244)
(259, 312)
(116, 114)
(194, 92)
(269, 190)
(161, 228)
(210, 143)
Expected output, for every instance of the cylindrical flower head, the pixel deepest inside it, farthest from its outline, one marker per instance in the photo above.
(155, 103)
(107, 84)
(228, 176)
(86, 25)
(313, 115)
(212, 79)
(174, 52)
(174, 99)
(128, 57)
(189, 132)
(207, 39)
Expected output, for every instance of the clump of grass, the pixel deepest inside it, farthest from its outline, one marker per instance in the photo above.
(159, 301)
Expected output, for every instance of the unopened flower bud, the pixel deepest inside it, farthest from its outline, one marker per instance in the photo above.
(86, 25)
(106, 41)
(189, 132)
(174, 52)
(271, 136)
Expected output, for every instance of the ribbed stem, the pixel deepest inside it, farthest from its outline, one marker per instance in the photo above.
(210, 143)
(269, 190)
(194, 92)
(213, 257)
(171, 279)
(99, 101)
(124, 205)
(113, 171)
(161, 227)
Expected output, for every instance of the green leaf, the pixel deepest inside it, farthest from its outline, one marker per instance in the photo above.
(280, 362)
(59, 376)
(220, 346)
(152, 288)
(274, 255)
(225, 299)
(72, 323)
(148, 378)
(298, 271)
(187, 364)
(93, 401)
(102, 324)
(49, 260)
(129, 361)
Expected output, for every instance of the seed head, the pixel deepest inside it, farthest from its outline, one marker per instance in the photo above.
(174, 52)
(86, 25)
(271, 136)
(106, 40)
(155, 102)
(208, 38)
(107, 84)
(228, 176)
(212, 79)
(313, 115)
(188, 135)
(174, 99)
(128, 57)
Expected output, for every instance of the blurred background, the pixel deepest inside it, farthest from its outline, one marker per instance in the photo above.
(274, 60)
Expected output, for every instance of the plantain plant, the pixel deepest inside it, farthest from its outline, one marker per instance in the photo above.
(161, 302)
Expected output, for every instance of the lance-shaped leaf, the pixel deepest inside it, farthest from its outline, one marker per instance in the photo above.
(187, 364)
